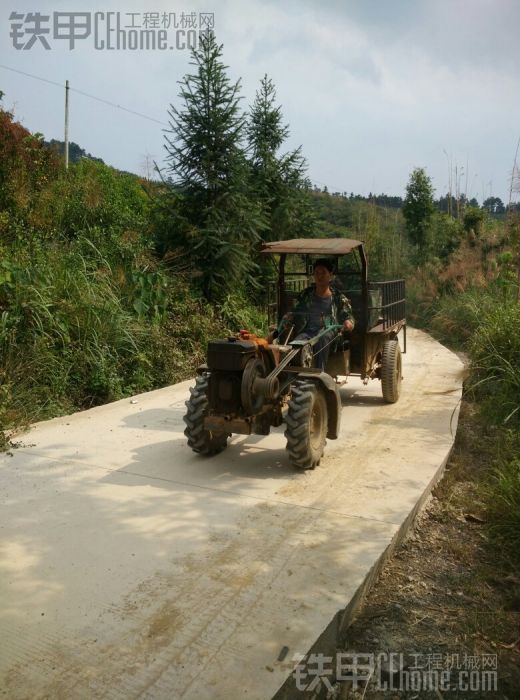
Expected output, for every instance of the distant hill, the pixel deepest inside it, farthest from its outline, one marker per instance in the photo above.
(76, 153)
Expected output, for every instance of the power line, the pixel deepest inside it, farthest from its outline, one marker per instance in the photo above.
(86, 94)
(112, 104)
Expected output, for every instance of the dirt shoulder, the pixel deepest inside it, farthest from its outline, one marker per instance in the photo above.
(442, 620)
(446, 600)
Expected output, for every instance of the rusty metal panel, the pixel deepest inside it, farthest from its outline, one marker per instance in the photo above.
(373, 347)
(312, 246)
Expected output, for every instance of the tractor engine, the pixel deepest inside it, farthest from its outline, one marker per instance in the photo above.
(241, 395)
(227, 360)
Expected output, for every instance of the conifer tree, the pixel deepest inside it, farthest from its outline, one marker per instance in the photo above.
(278, 180)
(213, 221)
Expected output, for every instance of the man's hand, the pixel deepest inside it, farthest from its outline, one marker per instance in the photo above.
(348, 325)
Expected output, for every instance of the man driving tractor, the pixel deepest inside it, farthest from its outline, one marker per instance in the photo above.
(318, 307)
(250, 384)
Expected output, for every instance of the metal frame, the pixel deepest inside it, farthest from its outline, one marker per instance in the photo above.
(390, 314)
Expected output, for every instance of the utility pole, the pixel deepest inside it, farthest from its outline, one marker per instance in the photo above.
(513, 176)
(449, 180)
(66, 125)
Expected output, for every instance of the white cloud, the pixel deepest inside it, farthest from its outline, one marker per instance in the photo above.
(369, 89)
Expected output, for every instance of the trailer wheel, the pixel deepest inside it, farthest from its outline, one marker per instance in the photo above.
(205, 442)
(306, 425)
(391, 369)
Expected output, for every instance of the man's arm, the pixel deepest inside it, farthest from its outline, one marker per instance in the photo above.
(345, 315)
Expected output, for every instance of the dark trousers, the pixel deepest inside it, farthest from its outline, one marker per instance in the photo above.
(321, 349)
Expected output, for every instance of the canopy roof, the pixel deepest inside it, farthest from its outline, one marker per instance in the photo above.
(312, 246)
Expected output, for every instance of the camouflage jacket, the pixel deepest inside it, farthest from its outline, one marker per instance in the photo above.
(341, 309)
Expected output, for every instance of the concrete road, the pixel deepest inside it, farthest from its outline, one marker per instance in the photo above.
(132, 568)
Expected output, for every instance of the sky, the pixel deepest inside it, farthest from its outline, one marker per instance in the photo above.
(370, 88)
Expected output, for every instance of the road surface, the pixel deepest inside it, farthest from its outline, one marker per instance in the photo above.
(132, 568)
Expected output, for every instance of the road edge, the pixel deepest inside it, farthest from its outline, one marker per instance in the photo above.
(330, 639)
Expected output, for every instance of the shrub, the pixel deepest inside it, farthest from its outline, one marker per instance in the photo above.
(503, 496)
(474, 220)
(444, 235)
(494, 351)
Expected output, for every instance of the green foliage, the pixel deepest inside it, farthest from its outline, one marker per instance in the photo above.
(74, 333)
(150, 294)
(64, 330)
(380, 228)
(483, 320)
(474, 219)
(39, 198)
(76, 153)
(503, 496)
(96, 195)
(482, 317)
(443, 236)
(278, 181)
(337, 211)
(26, 166)
(238, 313)
(418, 209)
(87, 314)
(494, 206)
(494, 349)
(208, 213)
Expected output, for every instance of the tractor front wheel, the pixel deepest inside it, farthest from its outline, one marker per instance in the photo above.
(306, 425)
(205, 442)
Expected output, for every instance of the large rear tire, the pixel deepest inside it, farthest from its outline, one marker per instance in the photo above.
(200, 440)
(306, 425)
(391, 370)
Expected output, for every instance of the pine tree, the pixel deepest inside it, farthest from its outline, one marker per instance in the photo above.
(212, 218)
(279, 180)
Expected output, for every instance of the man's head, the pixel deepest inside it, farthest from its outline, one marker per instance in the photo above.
(324, 262)
(323, 269)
